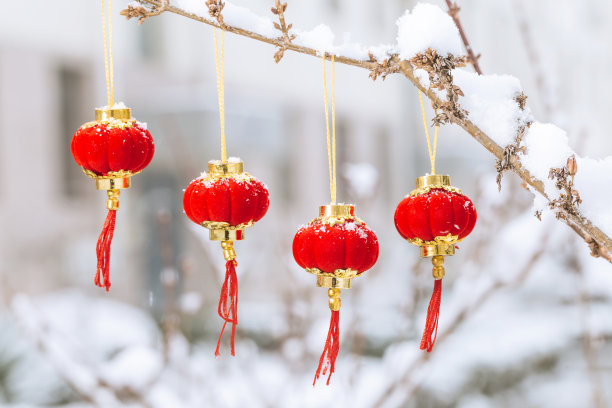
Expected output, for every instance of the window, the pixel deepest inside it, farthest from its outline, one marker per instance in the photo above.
(74, 108)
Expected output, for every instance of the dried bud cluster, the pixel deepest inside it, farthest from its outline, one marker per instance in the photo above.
(215, 7)
(440, 69)
(569, 199)
(388, 66)
(142, 13)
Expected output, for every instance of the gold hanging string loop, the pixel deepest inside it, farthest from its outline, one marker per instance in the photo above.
(108, 53)
(220, 67)
(334, 126)
(331, 144)
(432, 153)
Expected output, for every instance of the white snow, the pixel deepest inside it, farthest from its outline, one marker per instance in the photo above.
(244, 18)
(195, 7)
(489, 99)
(383, 51)
(320, 38)
(134, 368)
(427, 26)
(547, 147)
(117, 105)
(423, 77)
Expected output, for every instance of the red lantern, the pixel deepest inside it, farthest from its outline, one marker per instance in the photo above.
(435, 216)
(336, 247)
(110, 150)
(226, 201)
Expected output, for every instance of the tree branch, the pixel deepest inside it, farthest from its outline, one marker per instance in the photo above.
(453, 11)
(598, 241)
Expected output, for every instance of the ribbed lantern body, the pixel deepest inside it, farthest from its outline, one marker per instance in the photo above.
(115, 146)
(436, 213)
(233, 200)
(335, 245)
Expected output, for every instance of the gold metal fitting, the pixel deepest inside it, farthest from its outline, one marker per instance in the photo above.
(437, 249)
(433, 180)
(334, 299)
(325, 281)
(438, 267)
(228, 250)
(108, 114)
(220, 168)
(113, 199)
(337, 210)
(115, 183)
(226, 234)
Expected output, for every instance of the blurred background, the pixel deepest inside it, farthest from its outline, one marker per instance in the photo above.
(526, 317)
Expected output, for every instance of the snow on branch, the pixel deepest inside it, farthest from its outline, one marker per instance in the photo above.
(491, 108)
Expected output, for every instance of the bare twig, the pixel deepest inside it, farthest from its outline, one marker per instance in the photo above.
(453, 11)
(534, 58)
(403, 383)
(589, 232)
(589, 340)
(279, 10)
(170, 282)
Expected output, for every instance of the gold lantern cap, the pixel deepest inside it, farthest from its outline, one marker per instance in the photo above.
(337, 210)
(229, 167)
(114, 112)
(433, 180)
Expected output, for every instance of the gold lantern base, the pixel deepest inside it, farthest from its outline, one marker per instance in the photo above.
(113, 180)
(333, 282)
(437, 249)
(340, 278)
(226, 234)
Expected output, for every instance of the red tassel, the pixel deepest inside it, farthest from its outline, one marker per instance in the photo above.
(332, 346)
(229, 294)
(431, 324)
(103, 250)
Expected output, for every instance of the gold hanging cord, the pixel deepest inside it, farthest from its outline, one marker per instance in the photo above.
(432, 154)
(331, 145)
(220, 66)
(108, 53)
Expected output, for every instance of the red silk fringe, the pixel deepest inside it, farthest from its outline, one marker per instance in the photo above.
(431, 324)
(332, 346)
(228, 303)
(103, 250)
